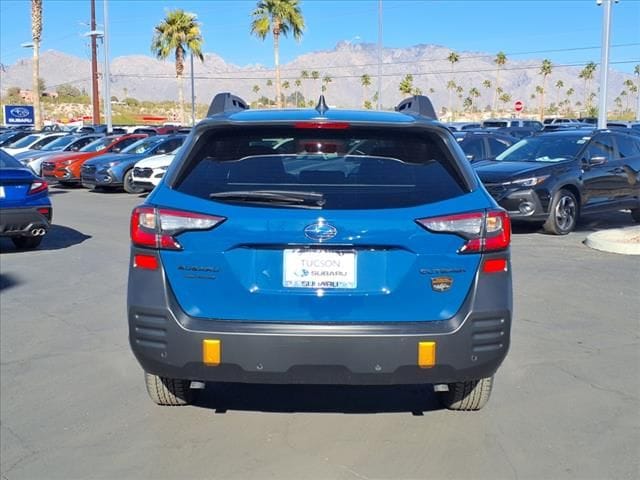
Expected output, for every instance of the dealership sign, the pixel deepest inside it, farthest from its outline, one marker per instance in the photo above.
(19, 115)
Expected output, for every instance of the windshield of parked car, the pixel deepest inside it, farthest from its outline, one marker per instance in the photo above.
(545, 148)
(25, 141)
(59, 143)
(142, 146)
(98, 145)
(353, 168)
(7, 161)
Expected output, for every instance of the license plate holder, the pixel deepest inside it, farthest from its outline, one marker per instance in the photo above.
(319, 269)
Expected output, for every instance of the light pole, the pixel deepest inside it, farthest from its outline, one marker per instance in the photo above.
(107, 74)
(604, 61)
(193, 95)
(379, 55)
(35, 91)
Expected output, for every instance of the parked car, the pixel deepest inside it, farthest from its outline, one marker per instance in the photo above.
(511, 122)
(11, 136)
(164, 130)
(481, 145)
(93, 129)
(25, 208)
(148, 172)
(556, 120)
(462, 126)
(517, 132)
(554, 127)
(34, 141)
(116, 170)
(360, 246)
(65, 168)
(554, 178)
(68, 143)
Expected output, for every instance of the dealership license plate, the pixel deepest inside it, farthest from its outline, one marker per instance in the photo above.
(319, 269)
(1, 191)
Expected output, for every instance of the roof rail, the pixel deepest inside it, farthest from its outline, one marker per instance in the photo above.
(417, 105)
(226, 102)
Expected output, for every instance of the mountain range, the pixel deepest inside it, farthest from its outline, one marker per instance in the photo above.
(146, 78)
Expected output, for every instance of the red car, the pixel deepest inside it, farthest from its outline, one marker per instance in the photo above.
(65, 168)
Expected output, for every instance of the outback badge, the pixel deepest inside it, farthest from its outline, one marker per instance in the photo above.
(441, 284)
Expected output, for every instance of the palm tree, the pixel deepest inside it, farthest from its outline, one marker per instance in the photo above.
(505, 98)
(278, 17)
(326, 80)
(178, 33)
(625, 95)
(315, 75)
(36, 34)
(298, 83)
(459, 91)
(587, 75)
(545, 71)
(286, 85)
(365, 80)
(473, 94)
(559, 85)
(256, 89)
(618, 102)
(570, 91)
(304, 76)
(451, 86)
(500, 61)
(269, 83)
(453, 58)
(406, 85)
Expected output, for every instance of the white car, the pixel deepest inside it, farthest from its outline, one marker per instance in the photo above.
(147, 173)
(35, 141)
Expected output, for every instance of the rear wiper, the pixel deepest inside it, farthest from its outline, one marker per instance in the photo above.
(292, 198)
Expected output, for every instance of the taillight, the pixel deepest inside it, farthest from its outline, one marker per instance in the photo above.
(483, 231)
(157, 227)
(37, 187)
(314, 125)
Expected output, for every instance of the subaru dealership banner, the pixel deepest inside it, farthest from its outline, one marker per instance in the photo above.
(19, 115)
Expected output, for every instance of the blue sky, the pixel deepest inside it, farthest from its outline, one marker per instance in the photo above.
(561, 30)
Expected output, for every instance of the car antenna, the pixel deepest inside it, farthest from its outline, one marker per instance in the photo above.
(322, 107)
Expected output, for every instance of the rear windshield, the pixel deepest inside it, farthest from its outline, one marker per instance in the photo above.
(545, 148)
(354, 168)
(495, 124)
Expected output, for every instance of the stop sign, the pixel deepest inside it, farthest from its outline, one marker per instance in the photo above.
(518, 106)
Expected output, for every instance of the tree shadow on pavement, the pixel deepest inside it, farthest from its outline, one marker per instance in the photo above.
(58, 237)
(414, 399)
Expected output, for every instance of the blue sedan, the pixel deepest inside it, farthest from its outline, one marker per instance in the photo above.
(25, 208)
(115, 170)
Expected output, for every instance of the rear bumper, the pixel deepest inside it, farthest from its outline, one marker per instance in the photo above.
(17, 222)
(168, 342)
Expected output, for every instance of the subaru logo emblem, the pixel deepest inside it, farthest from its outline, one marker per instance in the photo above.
(320, 231)
(19, 112)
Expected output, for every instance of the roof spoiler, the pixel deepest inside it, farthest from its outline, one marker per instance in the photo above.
(417, 105)
(226, 102)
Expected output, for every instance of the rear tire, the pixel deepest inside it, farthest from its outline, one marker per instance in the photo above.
(26, 243)
(563, 213)
(635, 214)
(129, 187)
(467, 396)
(168, 391)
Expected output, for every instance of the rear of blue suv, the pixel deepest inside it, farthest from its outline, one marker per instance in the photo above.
(320, 246)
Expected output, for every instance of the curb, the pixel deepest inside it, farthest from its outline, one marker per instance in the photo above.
(625, 241)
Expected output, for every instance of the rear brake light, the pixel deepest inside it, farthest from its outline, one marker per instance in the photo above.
(157, 227)
(483, 231)
(37, 187)
(323, 125)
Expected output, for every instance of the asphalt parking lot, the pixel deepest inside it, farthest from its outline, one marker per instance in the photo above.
(73, 404)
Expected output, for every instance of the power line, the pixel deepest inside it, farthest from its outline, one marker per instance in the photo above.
(391, 74)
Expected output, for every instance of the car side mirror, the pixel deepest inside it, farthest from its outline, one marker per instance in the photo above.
(596, 161)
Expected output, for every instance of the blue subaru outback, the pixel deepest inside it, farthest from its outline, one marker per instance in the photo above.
(320, 246)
